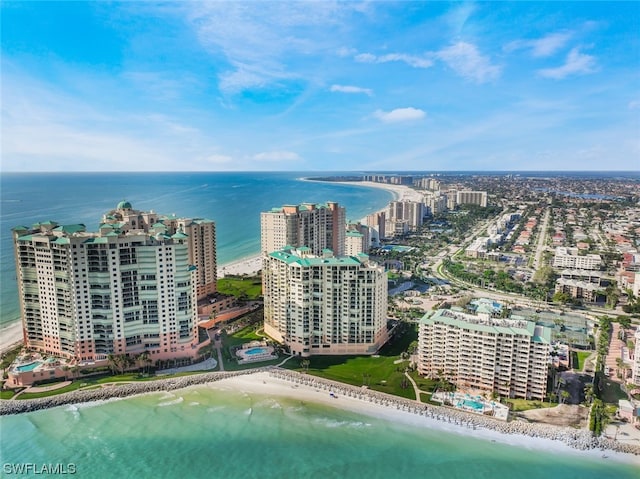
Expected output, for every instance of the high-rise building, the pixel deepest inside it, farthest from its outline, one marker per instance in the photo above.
(635, 367)
(411, 212)
(126, 289)
(357, 239)
(472, 198)
(324, 304)
(200, 238)
(318, 227)
(377, 224)
(506, 356)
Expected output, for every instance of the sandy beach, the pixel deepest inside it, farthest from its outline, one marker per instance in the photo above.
(265, 383)
(10, 335)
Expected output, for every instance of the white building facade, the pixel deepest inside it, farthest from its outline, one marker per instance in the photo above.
(324, 304)
(88, 295)
(505, 356)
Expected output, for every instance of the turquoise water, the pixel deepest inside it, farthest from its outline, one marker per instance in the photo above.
(473, 404)
(254, 351)
(233, 200)
(209, 433)
(29, 367)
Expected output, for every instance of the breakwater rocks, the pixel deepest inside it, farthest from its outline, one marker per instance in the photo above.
(577, 438)
(114, 390)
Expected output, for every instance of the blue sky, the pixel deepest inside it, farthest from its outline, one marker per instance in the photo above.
(225, 86)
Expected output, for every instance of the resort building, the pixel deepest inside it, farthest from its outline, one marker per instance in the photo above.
(471, 198)
(317, 227)
(200, 239)
(127, 289)
(635, 369)
(324, 304)
(376, 223)
(571, 258)
(411, 212)
(483, 353)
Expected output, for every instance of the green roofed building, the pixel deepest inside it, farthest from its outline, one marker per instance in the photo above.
(483, 354)
(324, 304)
(129, 288)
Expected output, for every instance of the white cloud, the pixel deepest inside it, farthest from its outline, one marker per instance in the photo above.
(634, 105)
(411, 60)
(465, 59)
(576, 64)
(351, 89)
(542, 47)
(261, 42)
(399, 114)
(279, 155)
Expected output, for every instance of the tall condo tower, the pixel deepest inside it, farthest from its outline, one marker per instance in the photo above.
(324, 304)
(126, 289)
(317, 227)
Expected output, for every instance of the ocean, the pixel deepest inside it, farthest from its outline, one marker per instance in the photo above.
(233, 200)
(204, 431)
(209, 432)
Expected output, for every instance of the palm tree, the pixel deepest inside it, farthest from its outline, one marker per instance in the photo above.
(111, 359)
(564, 395)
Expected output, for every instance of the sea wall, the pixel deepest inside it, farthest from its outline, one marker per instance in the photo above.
(113, 390)
(576, 438)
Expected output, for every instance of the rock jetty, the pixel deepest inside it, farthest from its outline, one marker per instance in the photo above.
(577, 438)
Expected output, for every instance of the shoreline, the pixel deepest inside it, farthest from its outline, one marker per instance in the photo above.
(275, 381)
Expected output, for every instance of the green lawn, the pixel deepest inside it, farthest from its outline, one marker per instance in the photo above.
(240, 287)
(7, 394)
(71, 387)
(582, 356)
(379, 373)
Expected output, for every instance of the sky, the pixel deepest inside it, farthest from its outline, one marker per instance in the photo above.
(320, 86)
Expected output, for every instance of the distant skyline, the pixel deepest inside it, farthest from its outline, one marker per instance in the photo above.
(320, 86)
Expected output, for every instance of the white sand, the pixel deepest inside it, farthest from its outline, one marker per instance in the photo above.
(246, 266)
(264, 384)
(10, 335)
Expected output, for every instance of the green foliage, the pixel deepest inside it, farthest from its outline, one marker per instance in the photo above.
(599, 417)
(249, 288)
(9, 357)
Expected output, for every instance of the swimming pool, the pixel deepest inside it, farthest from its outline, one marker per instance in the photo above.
(28, 367)
(254, 351)
(478, 406)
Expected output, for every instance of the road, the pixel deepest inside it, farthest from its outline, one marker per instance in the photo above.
(542, 240)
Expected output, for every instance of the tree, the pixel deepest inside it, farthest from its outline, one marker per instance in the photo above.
(588, 393)
(564, 396)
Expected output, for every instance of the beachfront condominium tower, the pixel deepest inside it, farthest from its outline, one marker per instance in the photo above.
(324, 304)
(315, 226)
(126, 289)
(200, 239)
(481, 353)
(405, 211)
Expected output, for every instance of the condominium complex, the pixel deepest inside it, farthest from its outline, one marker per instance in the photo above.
(505, 356)
(635, 367)
(200, 238)
(376, 223)
(324, 304)
(317, 227)
(409, 212)
(571, 258)
(357, 239)
(472, 198)
(126, 289)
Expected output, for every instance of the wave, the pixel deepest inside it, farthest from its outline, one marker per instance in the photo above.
(171, 403)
